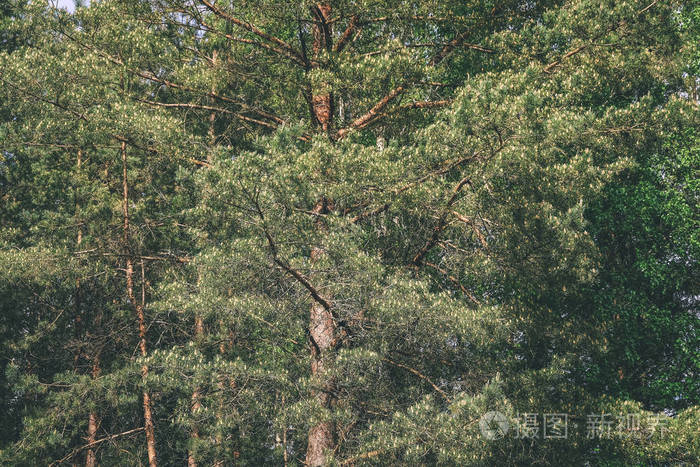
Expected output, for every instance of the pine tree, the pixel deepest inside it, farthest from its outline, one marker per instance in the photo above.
(338, 233)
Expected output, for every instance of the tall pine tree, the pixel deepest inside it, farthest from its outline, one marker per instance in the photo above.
(339, 233)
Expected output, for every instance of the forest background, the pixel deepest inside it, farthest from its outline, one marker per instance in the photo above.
(343, 233)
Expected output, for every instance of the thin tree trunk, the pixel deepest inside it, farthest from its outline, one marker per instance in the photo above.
(78, 298)
(196, 404)
(211, 132)
(148, 417)
(322, 326)
(147, 414)
(93, 423)
(198, 323)
(285, 454)
(91, 457)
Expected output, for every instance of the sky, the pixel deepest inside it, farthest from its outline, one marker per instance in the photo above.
(68, 4)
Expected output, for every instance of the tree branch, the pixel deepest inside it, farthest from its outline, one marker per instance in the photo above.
(290, 52)
(210, 108)
(420, 375)
(454, 280)
(449, 47)
(286, 267)
(82, 117)
(441, 223)
(549, 68)
(366, 455)
(413, 105)
(285, 53)
(152, 77)
(442, 170)
(347, 34)
(94, 443)
(371, 113)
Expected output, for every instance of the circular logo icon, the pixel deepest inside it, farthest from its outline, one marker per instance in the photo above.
(493, 425)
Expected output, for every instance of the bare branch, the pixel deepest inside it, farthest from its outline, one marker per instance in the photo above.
(286, 267)
(94, 443)
(420, 375)
(371, 113)
(441, 223)
(412, 105)
(454, 280)
(289, 50)
(455, 43)
(347, 34)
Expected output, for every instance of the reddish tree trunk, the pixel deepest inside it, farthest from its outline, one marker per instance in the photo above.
(322, 332)
(93, 423)
(322, 326)
(147, 413)
(321, 438)
(322, 100)
(191, 461)
(91, 457)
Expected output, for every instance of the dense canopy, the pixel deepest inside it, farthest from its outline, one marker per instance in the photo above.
(350, 233)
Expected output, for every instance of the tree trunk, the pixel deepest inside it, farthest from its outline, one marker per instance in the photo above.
(191, 461)
(198, 323)
(196, 404)
(91, 457)
(322, 326)
(322, 333)
(322, 100)
(93, 423)
(211, 131)
(147, 414)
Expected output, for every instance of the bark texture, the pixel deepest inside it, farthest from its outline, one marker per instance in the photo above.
(322, 326)
(138, 305)
(93, 423)
(322, 100)
(322, 333)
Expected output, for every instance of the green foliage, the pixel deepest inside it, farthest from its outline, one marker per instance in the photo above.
(500, 215)
(646, 224)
